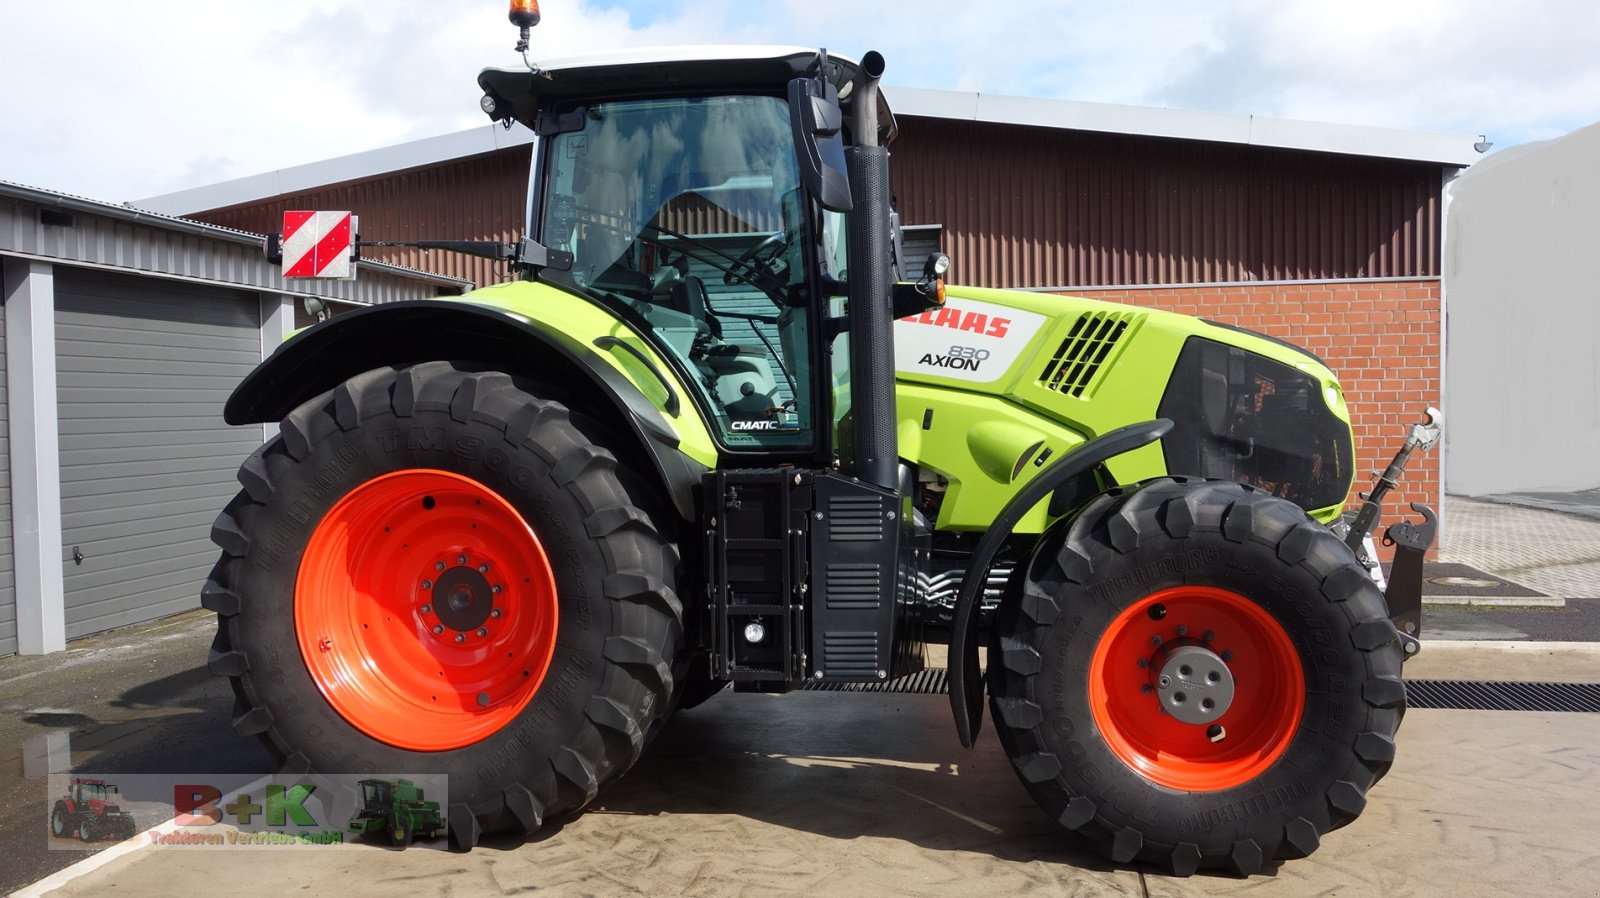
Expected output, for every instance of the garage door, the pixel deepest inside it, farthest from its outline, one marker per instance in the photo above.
(8, 588)
(143, 368)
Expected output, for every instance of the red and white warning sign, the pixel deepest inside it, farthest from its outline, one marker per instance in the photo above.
(319, 244)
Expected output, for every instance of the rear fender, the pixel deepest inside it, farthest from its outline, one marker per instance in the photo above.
(408, 333)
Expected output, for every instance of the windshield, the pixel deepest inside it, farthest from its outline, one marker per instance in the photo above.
(688, 211)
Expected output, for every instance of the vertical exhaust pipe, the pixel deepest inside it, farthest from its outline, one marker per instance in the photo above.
(876, 451)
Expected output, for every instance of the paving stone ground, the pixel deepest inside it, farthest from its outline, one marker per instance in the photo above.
(1550, 551)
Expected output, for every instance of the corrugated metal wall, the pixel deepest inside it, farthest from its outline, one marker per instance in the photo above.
(477, 198)
(1021, 207)
(8, 586)
(1039, 207)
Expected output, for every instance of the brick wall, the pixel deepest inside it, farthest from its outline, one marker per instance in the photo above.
(1380, 337)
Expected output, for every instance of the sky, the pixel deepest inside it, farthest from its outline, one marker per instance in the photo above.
(128, 100)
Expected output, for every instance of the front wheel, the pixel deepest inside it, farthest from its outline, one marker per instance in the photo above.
(1194, 674)
(432, 570)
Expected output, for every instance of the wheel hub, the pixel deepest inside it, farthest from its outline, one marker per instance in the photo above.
(1194, 684)
(426, 609)
(462, 598)
(1165, 657)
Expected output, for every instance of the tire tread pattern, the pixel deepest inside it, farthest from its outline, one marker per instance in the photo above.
(1118, 522)
(641, 561)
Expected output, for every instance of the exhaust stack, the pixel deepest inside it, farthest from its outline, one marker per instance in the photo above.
(876, 451)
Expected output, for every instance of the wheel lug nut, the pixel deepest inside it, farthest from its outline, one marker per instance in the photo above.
(496, 589)
(483, 631)
(426, 609)
(483, 569)
(427, 584)
(1143, 663)
(461, 637)
(1183, 631)
(437, 629)
(461, 559)
(1208, 636)
(1146, 688)
(1227, 656)
(438, 565)
(494, 612)
(1155, 640)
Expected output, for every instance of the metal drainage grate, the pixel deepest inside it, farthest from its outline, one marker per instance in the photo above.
(1454, 695)
(1464, 695)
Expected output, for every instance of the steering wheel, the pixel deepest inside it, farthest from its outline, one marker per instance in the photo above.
(756, 262)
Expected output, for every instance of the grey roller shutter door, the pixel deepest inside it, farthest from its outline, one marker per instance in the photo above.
(144, 367)
(8, 585)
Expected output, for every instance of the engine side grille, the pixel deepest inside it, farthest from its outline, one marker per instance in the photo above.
(850, 654)
(855, 518)
(854, 586)
(1088, 348)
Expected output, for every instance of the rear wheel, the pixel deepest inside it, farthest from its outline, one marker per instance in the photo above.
(431, 570)
(61, 822)
(1195, 675)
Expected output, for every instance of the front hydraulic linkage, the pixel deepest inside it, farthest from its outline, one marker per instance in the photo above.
(1410, 541)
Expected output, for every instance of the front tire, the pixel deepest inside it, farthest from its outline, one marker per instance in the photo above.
(1157, 600)
(432, 570)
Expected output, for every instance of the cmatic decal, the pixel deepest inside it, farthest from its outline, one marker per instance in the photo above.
(964, 340)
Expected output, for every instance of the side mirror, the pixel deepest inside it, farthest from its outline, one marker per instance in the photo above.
(819, 141)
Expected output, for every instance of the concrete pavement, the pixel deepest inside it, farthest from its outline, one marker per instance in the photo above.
(845, 795)
(829, 794)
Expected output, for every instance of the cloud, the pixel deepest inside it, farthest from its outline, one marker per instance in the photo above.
(174, 91)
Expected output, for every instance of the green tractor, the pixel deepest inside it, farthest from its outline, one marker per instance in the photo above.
(714, 434)
(395, 810)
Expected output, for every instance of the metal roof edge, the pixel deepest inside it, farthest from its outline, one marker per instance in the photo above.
(1185, 124)
(1148, 121)
(352, 167)
(55, 199)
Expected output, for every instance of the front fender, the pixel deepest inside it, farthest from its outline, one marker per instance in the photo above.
(408, 333)
(966, 682)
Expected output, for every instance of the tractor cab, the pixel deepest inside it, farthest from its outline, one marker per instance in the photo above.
(88, 792)
(672, 187)
(377, 794)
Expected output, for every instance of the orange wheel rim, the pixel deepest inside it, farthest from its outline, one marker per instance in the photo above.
(425, 609)
(1148, 640)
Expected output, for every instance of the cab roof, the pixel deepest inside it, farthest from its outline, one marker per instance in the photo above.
(664, 71)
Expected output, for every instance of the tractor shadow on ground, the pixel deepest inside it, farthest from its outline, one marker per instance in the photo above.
(841, 766)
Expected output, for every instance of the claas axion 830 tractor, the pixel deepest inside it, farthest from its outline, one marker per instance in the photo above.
(714, 433)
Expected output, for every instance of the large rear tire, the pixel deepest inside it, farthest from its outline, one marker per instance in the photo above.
(431, 570)
(1196, 675)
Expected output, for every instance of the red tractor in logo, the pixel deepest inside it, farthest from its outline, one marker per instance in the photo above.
(89, 810)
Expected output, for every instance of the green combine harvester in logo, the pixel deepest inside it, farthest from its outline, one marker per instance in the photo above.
(395, 808)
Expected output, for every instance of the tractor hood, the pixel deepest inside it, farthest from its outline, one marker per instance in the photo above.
(1245, 406)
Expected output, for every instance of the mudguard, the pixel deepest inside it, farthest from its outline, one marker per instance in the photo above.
(408, 333)
(966, 681)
